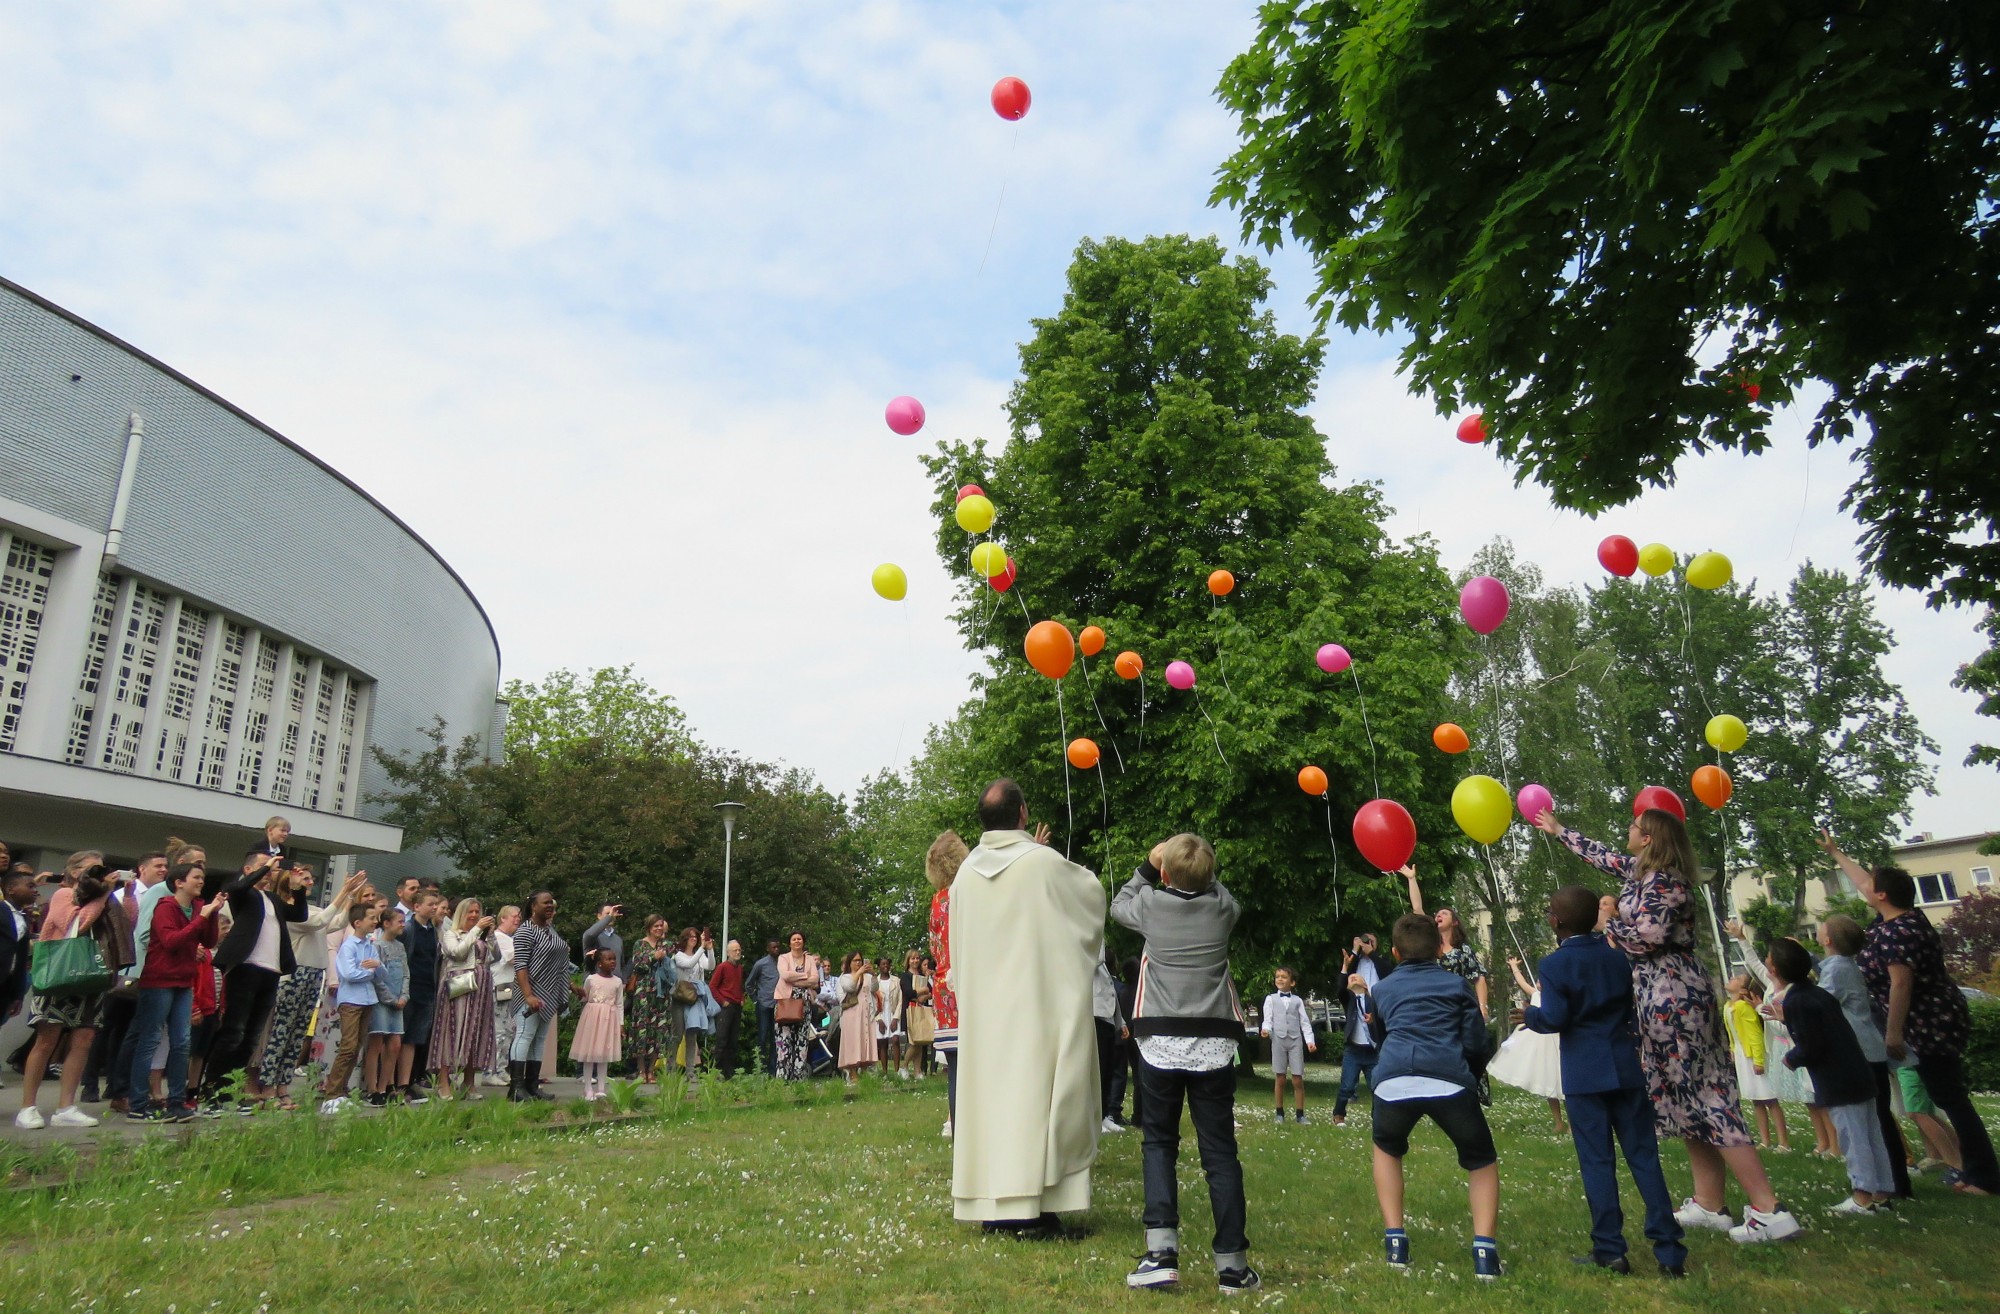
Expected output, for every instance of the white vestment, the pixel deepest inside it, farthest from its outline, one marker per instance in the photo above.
(1027, 931)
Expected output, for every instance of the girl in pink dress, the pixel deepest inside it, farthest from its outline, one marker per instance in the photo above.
(600, 1028)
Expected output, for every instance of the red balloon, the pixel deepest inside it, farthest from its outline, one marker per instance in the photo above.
(1659, 796)
(1619, 555)
(970, 490)
(1001, 583)
(1385, 833)
(1472, 429)
(1011, 98)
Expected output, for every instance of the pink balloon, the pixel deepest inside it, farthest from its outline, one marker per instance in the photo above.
(1333, 658)
(1180, 675)
(1483, 602)
(904, 414)
(1533, 800)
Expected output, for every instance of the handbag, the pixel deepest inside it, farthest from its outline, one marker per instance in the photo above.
(461, 983)
(790, 1012)
(685, 993)
(73, 965)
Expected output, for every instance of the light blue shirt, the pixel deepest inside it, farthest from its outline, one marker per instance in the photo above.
(142, 934)
(356, 983)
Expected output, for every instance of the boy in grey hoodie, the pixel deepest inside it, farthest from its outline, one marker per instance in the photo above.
(1188, 1023)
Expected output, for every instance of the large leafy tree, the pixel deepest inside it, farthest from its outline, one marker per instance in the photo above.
(1158, 433)
(601, 795)
(1625, 229)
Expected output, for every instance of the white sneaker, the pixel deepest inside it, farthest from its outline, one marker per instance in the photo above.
(1759, 1226)
(492, 1078)
(72, 1117)
(1110, 1126)
(1691, 1215)
(333, 1106)
(946, 1133)
(30, 1119)
(1849, 1207)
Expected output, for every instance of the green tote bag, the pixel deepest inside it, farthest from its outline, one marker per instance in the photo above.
(73, 965)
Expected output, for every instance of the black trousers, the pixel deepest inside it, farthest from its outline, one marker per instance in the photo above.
(728, 1022)
(101, 1071)
(1129, 1058)
(1211, 1103)
(248, 992)
(1110, 1100)
(1944, 1078)
(1892, 1131)
(767, 1037)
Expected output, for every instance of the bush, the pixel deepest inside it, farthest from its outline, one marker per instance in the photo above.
(1971, 936)
(1982, 1051)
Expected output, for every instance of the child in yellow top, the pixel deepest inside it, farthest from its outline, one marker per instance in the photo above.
(1746, 1034)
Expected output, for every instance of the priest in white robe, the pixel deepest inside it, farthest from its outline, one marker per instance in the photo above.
(1027, 930)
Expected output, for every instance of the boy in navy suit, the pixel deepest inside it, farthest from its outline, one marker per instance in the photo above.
(1587, 1001)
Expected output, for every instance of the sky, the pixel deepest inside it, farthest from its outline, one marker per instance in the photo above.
(605, 300)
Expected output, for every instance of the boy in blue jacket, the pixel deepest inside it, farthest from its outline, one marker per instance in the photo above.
(1587, 1001)
(1431, 1035)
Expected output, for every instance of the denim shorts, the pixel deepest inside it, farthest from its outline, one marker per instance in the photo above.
(1458, 1116)
(385, 1021)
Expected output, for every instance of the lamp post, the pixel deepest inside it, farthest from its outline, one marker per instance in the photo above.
(730, 812)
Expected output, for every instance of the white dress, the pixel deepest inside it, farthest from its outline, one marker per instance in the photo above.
(1530, 1061)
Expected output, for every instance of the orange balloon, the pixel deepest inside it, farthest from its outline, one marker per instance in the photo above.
(1220, 582)
(1091, 640)
(1312, 780)
(1129, 664)
(1050, 649)
(1450, 738)
(1713, 786)
(1083, 754)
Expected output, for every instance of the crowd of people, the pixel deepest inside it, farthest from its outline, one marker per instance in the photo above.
(193, 993)
(203, 991)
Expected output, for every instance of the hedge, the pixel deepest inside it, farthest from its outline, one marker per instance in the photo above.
(1982, 1053)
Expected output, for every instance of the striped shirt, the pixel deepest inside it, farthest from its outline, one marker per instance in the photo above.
(541, 953)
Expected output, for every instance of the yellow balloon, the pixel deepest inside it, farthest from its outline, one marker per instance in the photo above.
(1656, 559)
(975, 514)
(1726, 733)
(989, 559)
(1710, 570)
(891, 582)
(1481, 808)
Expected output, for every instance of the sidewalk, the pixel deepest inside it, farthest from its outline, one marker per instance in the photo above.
(115, 1127)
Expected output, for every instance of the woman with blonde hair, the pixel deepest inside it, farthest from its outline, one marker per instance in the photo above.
(941, 863)
(1690, 1074)
(462, 1025)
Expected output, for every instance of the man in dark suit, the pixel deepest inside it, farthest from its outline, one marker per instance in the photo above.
(252, 958)
(1587, 1001)
(420, 942)
(17, 934)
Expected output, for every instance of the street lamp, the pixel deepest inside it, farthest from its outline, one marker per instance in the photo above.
(729, 811)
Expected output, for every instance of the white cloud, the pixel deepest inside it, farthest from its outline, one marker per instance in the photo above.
(605, 300)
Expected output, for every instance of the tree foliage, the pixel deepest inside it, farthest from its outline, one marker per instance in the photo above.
(1971, 935)
(602, 796)
(1158, 433)
(1605, 224)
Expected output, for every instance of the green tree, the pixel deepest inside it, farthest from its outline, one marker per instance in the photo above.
(1158, 433)
(1607, 224)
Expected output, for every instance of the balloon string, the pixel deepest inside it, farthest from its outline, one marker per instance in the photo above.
(1687, 655)
(1332, 844)
(1211, 728)
(1142, 712)
(1104, 798)
(1092, 691)
(1500, 902)
(1215, 611)
(1374, 769)
(1005, 170)
(1069, 806)
(1499, 731)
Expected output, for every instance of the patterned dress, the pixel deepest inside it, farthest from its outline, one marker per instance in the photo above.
(944, 1004)
(648, 1020)
(1690, 1074)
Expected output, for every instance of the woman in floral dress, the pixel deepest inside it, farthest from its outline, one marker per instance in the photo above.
(647, 1020)
(1690, 1075)
(941, 864)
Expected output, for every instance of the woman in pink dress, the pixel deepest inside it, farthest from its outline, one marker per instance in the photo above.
(600, 1028)
(857, 1017)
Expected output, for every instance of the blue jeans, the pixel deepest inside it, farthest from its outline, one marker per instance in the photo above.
(1356, 1061)
(1626, 1114)
(169, 1006)
(1211, 1103)
(529, 1030)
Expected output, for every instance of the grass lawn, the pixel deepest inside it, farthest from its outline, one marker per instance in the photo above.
(761, 1199)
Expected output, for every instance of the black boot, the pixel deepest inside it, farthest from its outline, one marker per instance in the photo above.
(517, 1092)
(531, 1080)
